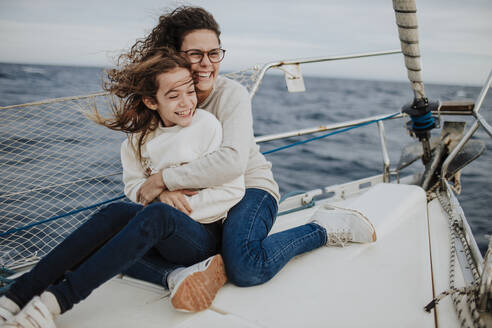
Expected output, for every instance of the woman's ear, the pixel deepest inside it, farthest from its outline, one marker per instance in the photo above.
(149, 102)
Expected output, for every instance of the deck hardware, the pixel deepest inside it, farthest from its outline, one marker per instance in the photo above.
(384, 148)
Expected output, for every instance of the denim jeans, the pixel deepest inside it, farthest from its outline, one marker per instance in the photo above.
(251, 256)
(147, 242)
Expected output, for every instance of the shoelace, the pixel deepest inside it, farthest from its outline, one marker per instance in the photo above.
(339, 238)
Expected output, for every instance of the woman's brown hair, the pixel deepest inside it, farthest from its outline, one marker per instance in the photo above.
(171, 30)
(131, 83)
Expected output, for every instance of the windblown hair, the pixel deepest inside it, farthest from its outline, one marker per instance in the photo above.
(131, 83)
(171, 30)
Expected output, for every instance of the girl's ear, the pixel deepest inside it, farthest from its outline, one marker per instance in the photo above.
(149, 102)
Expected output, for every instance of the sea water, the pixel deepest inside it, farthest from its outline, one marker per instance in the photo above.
(336, 159)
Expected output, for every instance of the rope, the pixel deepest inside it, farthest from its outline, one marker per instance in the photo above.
(422, 122)
(56, 100)
(60, 185)
(406, 20)
(451, 291)
(247, 77)
(328, 134)
(458, 294)
(59, 216)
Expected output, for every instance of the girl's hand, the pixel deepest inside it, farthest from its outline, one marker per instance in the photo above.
(151, 188)
(177, 199)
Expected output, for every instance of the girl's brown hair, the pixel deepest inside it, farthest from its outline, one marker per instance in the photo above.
(131, 83)
(171, 30)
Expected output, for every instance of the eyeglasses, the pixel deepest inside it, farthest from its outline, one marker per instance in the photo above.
(195, 56)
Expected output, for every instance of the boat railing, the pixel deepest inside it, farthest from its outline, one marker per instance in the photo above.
(479, 121)
(292, 71)
(294, 74)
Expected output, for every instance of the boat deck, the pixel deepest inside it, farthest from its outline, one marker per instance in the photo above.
(383, 284)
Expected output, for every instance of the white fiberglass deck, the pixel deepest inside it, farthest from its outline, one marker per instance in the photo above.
(383, 284)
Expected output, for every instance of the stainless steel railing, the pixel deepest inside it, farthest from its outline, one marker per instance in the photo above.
(480, 121)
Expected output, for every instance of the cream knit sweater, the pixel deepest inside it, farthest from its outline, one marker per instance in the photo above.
(175, 146)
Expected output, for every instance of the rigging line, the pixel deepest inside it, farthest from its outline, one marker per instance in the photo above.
(327, 135)
(60, 184)
(60, 216)
(55, 100)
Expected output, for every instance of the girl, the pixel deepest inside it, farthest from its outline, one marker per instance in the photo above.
(165, 130)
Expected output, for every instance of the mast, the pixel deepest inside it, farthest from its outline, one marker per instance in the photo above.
(420, 110)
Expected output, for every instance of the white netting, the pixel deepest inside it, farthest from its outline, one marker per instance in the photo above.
(247, 77)
(53, 160)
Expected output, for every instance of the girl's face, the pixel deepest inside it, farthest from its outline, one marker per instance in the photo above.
(175, 99)
(204, 72)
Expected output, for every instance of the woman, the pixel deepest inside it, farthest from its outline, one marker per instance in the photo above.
(251, 257)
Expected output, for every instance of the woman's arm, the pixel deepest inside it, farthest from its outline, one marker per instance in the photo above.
(231, 159)
(213, 203)
(140, 188)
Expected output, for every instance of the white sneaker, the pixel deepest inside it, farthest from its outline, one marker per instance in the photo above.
(344, 225)
(34, 315)
(194, 288)
(8, 309)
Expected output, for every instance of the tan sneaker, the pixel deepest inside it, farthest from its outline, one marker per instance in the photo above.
(344, 225)
(194, 288)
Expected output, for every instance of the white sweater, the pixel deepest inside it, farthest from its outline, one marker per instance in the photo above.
(238, 154)
(175, 146)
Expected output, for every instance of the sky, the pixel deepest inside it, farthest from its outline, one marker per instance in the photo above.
(455, 35)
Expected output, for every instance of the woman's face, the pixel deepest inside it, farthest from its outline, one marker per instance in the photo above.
(205, 72)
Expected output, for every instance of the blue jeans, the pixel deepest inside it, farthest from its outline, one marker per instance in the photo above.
(147, 242)
(252, 257)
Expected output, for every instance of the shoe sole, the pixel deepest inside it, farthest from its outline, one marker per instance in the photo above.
(197, 292)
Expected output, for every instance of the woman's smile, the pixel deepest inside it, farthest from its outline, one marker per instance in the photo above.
(204, 72)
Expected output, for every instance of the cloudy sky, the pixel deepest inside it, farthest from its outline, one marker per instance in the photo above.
(455, 35)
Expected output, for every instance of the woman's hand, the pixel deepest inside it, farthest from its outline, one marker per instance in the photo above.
(177, 199)
(151, 188)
